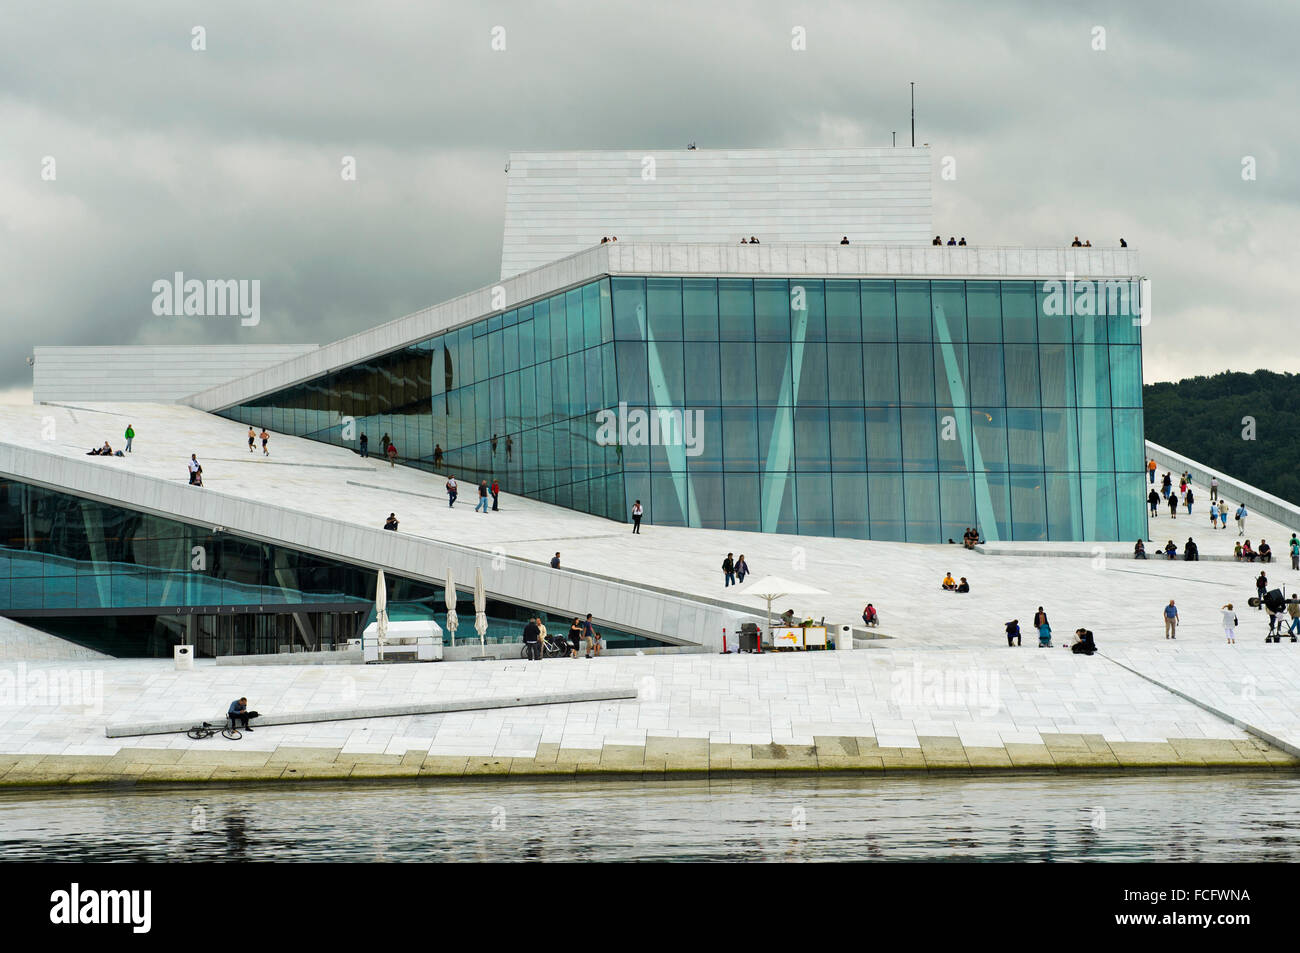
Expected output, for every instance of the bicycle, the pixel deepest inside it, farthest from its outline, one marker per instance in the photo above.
(207, 730)
(551, 648)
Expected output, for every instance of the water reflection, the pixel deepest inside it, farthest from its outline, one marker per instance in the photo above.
(1081, 817)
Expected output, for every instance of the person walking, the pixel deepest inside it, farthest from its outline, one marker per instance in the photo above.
(592, 637)
(1171, 620)
(1188, 499)
(196, 471)
(265, 437)
(1153, 500)
(482, 497)
(252, 439)
(1241, 519)
(1293, 610)
(451, 492)
(1214, 515)
(728, 571)
(1151, 471)
(637, 512)
(1044, 629)
(1230, 624)
(1295, 552)
(532, 640)
(1261, 587)
(364, 447)
(130, 435)
(1173, 506)
(391, 452)
(1214, 488)
(742, 569)
(496, 495)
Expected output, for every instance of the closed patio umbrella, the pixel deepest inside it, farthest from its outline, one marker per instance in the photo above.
(450, 600)
(381, 608)
(480, 608)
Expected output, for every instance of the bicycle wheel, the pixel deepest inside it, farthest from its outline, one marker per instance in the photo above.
(198, 734)
(231, 734)
(523, 653)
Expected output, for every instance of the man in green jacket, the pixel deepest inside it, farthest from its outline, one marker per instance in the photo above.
(130, 435)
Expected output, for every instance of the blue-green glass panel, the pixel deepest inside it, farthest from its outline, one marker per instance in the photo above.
(884, 439)
(1025, 439)
(812, 443)
(1064, 516)
(816, 516)
(948, 307)
(591, 314)
(736, 362)
(775, 380)
(880, 373)
(742, 502)
(849, 501)
(885, 505)
(700, 309)
(812, 384)
(844, 374)
(703, 380)
(920, 439)
(843, 311)
(984, 312)
(916, 374)
(664, 306)
(1019, 312)
(879, 311)
(914, 317)
(771, 310)
(1125, 376)
(1028, 506)
(986, 377)
(736, 309)
(921, 502)
(740, 438)
(848, 438)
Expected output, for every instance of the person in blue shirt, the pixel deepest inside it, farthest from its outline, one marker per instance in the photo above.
(1013, 632)
(1171, 620)
(238, 712)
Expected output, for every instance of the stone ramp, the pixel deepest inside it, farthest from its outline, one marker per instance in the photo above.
(128, 730)
(19, 642)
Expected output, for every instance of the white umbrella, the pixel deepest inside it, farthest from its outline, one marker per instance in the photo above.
(774, 587)
(480, 609)
(450, 599)
(381, 607)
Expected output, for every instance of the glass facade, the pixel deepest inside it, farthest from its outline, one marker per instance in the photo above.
(876, 409)
(132, 584)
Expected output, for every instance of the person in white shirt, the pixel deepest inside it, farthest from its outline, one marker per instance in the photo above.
(195, 469)
(451, 492)
(636, 517)
(1230, 624)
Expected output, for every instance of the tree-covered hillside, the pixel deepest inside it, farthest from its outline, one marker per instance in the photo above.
(1211, 420)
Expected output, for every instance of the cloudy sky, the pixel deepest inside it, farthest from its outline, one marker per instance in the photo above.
(225, 162)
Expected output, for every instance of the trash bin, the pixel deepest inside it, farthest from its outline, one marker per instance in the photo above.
(183, 655)
(844, 638)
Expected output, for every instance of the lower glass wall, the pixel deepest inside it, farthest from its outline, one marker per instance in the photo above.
(131, 584)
